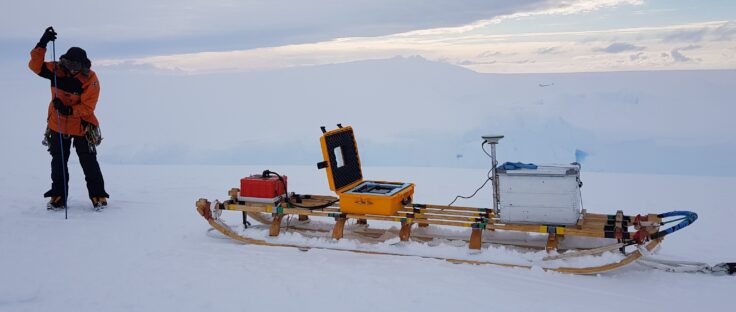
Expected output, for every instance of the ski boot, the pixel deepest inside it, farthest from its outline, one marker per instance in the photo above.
(56, 203)
(99, 203)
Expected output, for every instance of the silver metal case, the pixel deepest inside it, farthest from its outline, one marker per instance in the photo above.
(549, 194)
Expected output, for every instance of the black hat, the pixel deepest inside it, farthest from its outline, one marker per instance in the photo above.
(77, 54)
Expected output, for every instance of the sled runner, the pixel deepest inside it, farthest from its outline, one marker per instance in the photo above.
(535, 210)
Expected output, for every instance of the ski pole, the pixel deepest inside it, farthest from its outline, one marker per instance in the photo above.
(61, 137)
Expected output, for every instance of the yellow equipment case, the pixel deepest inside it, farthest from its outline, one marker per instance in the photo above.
(340, 152)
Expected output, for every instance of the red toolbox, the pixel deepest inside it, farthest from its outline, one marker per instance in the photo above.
(258, 186)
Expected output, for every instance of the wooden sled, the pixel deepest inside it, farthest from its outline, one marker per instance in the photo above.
(212, 211)
(549, 211)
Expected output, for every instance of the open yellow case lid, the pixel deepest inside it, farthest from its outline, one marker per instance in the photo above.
(340, 153)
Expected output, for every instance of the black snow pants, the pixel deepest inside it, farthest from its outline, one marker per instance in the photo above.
(87, 158)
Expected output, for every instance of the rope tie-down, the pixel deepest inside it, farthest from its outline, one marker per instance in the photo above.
(644, 225)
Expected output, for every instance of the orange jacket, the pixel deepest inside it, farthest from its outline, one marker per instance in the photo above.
(80, 91)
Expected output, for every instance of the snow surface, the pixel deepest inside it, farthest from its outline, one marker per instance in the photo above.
(150, 251)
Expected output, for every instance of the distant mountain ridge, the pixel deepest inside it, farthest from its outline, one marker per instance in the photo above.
(408, 111)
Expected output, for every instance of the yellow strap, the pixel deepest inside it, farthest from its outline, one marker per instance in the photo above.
(558, 229)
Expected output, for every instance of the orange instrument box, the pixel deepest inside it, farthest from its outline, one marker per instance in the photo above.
(340, 152)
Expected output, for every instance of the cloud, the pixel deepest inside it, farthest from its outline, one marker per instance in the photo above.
(694, 35)
(469, 62)
(487, 54)
(482, 53)
(637, 57)
(619, 47)
(476, 51)
(653, 11)
(551, 7)
(145, 27)
(724, 31)
(549, 50)
(677, 56)
(249, 20)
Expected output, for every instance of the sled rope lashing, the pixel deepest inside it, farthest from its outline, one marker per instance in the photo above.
(643, 224)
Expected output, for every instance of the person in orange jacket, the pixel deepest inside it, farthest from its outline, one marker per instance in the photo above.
(71, 120)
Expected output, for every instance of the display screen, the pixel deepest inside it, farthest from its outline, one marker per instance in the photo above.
(376, 188)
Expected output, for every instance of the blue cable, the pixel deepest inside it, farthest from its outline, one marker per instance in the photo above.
(689, 218)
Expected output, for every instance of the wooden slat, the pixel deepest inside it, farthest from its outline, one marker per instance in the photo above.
(587, 230)
(445, 212)
(450, 207)
(423, 216)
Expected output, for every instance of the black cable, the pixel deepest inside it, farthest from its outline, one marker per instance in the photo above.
(488, 175)
(267, 172)
(482, 146)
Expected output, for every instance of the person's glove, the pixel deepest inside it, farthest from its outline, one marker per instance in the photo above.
(61, 108)
(48, 35)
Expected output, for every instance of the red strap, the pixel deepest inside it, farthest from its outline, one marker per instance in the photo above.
(641, 236)
(637, 222)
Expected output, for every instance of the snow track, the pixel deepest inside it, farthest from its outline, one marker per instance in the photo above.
(149, 251)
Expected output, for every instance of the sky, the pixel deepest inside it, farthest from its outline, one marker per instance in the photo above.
(502, 36)
(639, 86)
